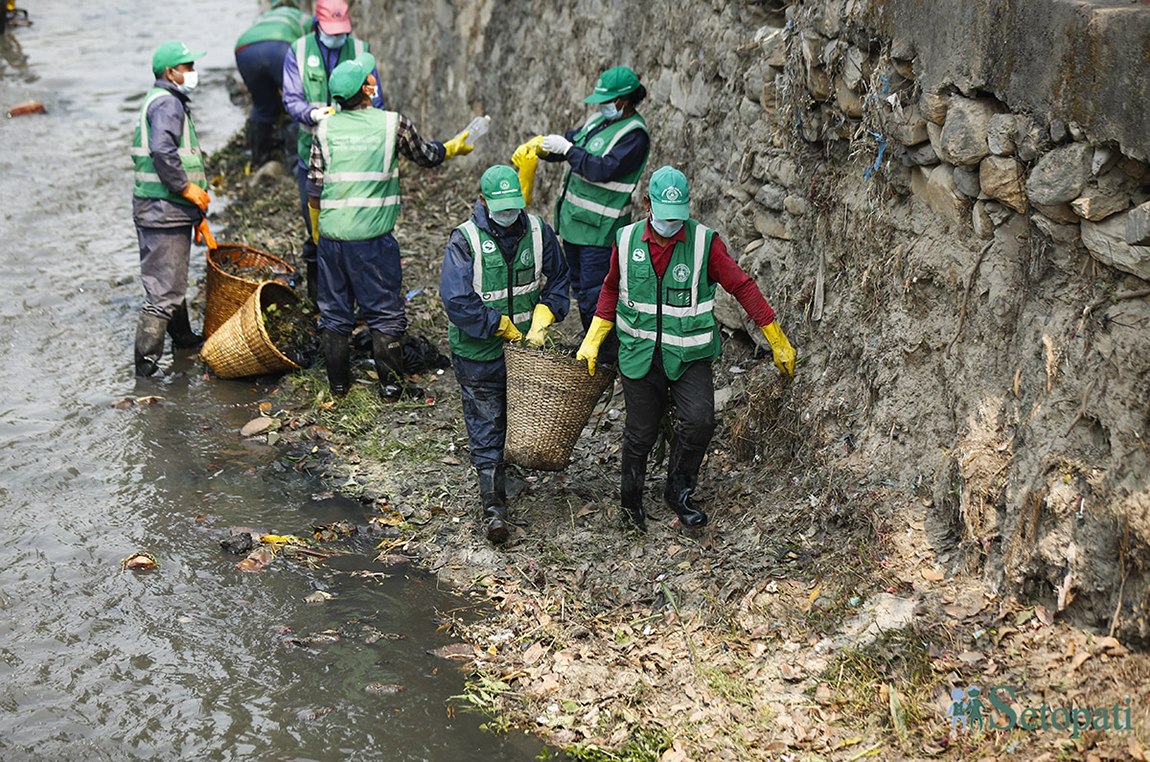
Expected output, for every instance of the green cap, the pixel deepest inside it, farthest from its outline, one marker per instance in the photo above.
(669, 197)
(172, 54)
(614, 83)
(500, 188)
(350, 75)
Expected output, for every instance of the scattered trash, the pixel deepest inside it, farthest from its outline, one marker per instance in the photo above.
(454, 652)
(238, 544)
(256, 561)
(319, 596)
(28, 107)
(129, 402)
(141, 561)
(383, 689)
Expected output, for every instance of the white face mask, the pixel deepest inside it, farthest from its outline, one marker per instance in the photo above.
(504, 219)
(191, 79)
(332, 41)
(666, 228)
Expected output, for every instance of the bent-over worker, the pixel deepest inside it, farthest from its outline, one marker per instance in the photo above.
(354, 173)
(503, 276)
(659, 296)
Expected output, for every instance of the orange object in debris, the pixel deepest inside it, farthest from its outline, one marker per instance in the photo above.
(31, 107)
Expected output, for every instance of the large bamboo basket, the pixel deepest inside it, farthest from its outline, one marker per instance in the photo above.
(226, 292)
(241, 346)
(549, 400)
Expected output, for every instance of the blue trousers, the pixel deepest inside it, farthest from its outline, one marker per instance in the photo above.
(364, 273)
(164, 254)
(588, 266)
(261, 65)
(484, 387)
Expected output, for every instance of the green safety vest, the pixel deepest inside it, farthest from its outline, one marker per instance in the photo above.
(587, 213)
(675, 311)
(148, 183)
(279, 25)
(360, 196)
(314, 76)
(511, 288)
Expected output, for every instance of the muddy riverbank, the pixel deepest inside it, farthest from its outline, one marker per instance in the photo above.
(810, 620)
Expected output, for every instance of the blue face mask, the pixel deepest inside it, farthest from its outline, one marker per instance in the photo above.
(504, 219)
(332, 41)
(609, 111)
(666, 228)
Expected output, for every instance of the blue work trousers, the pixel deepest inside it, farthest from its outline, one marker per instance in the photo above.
(364, 273)
(483, 384)
(588, 266)
(164, 254)
(261, 65)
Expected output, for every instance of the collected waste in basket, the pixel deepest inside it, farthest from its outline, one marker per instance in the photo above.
(233, 274)
(549, 400)
(243, 345)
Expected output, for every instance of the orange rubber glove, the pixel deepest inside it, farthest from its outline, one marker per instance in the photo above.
(197, 196)
(204, 235)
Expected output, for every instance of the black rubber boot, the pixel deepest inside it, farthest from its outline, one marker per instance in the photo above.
(260, 141)
(633, 474)
(387, 351)
(493, 494)
(678, 497)
(149, 343)
(312, 280)
(337, 358)
(180, 329)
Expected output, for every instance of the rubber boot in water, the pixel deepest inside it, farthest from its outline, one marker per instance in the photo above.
(337, 358)
(678, 496)
(312, 281)
(493, 494)
(260, 141)
(180, 329)
(387, 350)
(632, 476)
(149, 343)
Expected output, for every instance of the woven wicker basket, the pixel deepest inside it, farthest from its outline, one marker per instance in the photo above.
(241, 346)
(549, 400)
(226, 292)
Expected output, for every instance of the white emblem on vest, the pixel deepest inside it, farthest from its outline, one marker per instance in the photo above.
(525, 257)
(313, 60)
(595, 145)
(488, 247)
(681, 273)
(638, 255)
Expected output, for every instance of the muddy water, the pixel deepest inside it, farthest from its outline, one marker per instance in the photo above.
(191, 661)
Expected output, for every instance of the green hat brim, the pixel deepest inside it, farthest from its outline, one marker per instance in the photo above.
(507, 201)
(664, 211)
(608, 96)
(345, 89)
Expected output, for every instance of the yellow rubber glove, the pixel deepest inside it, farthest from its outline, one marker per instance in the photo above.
(542, 318)
(589, 349)
(197, 196)
(537, 143)
(204, 235)
(313, 213)
(784, 352)
(507, 330)
(458, 146)
(526, 161)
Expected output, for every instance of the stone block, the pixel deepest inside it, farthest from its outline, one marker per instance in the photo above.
(1063, 235)
(1138, 170)
(942, 196)
(1061, 213)
(1105, 157)
(796, 205)
(769, 97)
(904, 125)
(934, 134)
(818, 83)
(922, 154)
(1138, 225)
(772, 225)
(966, 181)
(771, 196)
(964, 133)
(1002, 178)
(980, 221)
(848, 100)
(1096, 204)
(1031, 139)
(852, 71)
(933, 108)
(1000, 134)
(918, 179)
(997, 212)
(1060, 174)
(1106, 241)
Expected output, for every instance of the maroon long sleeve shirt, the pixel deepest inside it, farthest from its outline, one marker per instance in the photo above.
(721, 268)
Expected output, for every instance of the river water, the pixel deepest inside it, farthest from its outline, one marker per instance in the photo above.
(191, 661)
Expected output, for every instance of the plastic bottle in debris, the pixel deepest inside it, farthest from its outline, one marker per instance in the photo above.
(477, 128)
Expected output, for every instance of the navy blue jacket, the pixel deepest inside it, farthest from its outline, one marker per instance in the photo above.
(166, 127)
(465, 308)
(621, 160)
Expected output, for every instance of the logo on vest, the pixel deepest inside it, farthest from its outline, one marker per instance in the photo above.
(525, 258)
(313, 60)
(671, 194)
(595, 145)
(681, 273)
(638, 255)
(488, 247)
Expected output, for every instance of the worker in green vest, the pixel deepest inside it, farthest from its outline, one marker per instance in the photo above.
(354, 171)
(659, 297)
(605, 158)
(168, 200)
(307, 66)
(260, 53)
(503, 276)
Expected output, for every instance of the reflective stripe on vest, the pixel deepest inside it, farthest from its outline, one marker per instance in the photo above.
(147, 182)
(315, 88)
(280, 25)
(360, 195)
(696, 307)
(471, 231)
